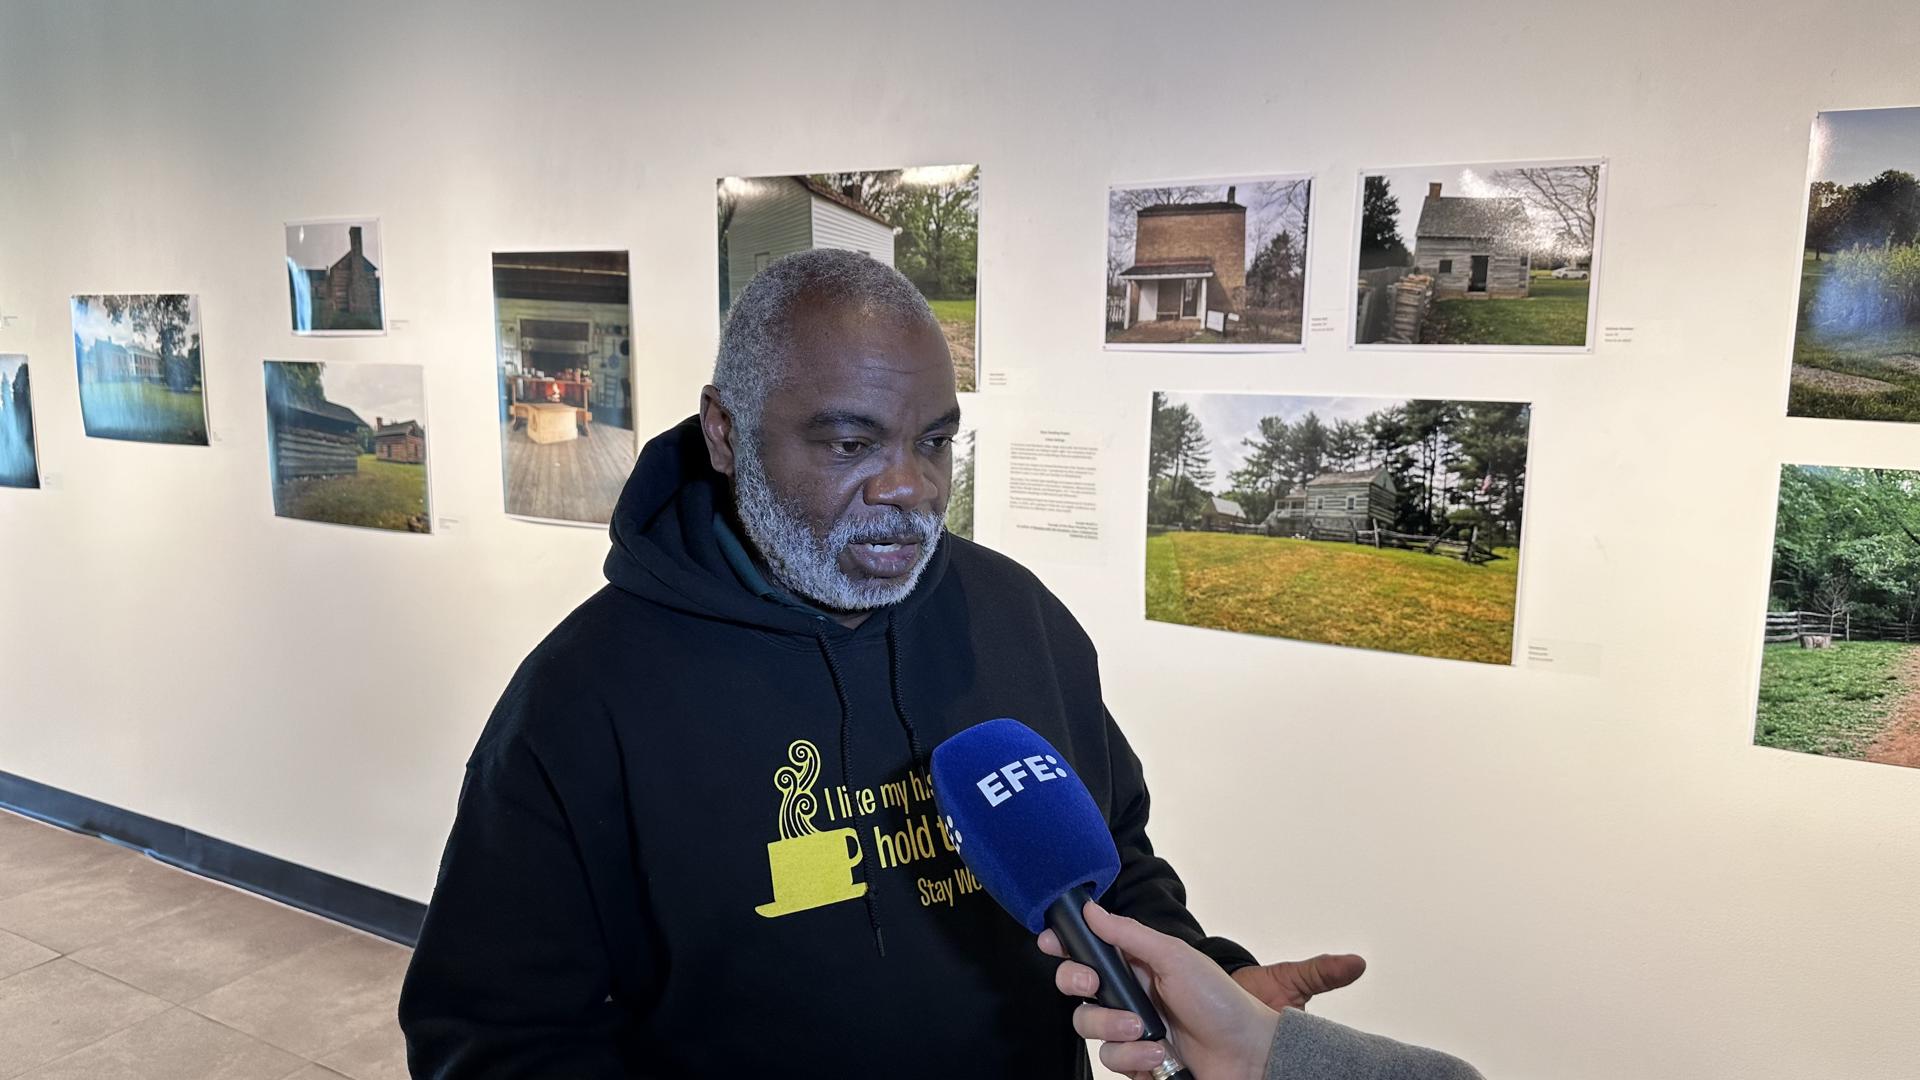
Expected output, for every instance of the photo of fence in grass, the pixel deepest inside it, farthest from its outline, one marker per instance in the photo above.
(1856, 346)
(1479, 256)
(1840, 668)
(1389, 524)
(139, 363)
(348, 444)
(1218, 265)
(922, 221)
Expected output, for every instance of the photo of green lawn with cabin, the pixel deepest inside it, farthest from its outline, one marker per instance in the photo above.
(1840, 670)
(1856, 349)
(331, 462)
(1368, 523)
(1483, 255)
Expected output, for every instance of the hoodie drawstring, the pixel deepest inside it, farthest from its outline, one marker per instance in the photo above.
(846, 751)
(899, 704)
(846, 773)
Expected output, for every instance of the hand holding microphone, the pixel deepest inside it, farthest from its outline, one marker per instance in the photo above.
(1223, 1032)
(1029, 830)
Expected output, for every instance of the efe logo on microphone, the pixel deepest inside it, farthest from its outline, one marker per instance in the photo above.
(1039, 768)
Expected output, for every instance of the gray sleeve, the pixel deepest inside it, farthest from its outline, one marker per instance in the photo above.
(1307, 1047)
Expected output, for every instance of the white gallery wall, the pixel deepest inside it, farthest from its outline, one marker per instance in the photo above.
(1579, 870)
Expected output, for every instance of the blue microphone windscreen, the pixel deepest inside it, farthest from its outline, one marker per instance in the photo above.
(1021, 820)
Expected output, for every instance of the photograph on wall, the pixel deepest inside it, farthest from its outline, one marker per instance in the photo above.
(1856, 343)
(564, 355)
(347, 443)
(1840, 670)
(1368, 522)
(334, 276)
(1479, 256)
(19, 459)
(139, 361)
(960, 499)
(923, 222)
(1207, 265)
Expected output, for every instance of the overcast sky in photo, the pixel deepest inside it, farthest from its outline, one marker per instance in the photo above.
(393, 392)
(316, 245)
(1472, 181)
(90, 324)
(1231, 418)
(1859, 144)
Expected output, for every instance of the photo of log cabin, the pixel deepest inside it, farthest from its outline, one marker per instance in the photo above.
(564, 357)
(1366, 522)
(348, 443)
(334, 279)
(19, 457)
(1216, 264)
(1479, 256)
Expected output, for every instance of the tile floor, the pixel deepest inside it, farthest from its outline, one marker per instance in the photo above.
(114, 966)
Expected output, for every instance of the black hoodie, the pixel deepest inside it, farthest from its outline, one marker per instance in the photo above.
(696, 837)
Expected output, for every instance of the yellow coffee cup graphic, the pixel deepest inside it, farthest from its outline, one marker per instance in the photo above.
(810, 868)
(813, 871)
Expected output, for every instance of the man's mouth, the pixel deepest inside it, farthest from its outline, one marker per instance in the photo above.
(885, 556)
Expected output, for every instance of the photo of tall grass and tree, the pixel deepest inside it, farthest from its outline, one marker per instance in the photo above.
(348, 443)
(1491, 256)
(1856, 348)
(1368, 522)
(1840, 671)
(922, 221)
(139, 366)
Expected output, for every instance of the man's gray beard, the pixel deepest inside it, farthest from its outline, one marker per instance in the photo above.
(808, 565)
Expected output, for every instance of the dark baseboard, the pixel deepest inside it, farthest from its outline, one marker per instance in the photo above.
(392, 917)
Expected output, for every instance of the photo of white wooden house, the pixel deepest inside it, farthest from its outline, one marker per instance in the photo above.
(1362, 499)
(1473, 247)
(780, 215)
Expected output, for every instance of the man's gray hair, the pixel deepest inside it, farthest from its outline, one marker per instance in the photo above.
(756, 343)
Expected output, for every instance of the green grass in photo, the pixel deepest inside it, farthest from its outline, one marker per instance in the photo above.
(1555, 313)
(1890, 356)
(953, 310)
(380, 495)
(1338, 593)
(1830, 701)
(143, 412)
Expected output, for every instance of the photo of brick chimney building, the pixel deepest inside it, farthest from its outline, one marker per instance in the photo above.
(333, 276)
(1218, 264)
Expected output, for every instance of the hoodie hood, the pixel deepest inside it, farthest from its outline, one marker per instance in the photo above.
(664, 548)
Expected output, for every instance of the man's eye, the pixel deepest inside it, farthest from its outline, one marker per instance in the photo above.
(939, 443)
(848, 447)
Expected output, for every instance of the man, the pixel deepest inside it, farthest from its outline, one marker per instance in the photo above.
(696, 836)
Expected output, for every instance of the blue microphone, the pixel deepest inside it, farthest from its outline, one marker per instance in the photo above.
(1029, 830)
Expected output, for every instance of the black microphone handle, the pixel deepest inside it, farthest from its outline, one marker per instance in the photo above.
(1066, 917)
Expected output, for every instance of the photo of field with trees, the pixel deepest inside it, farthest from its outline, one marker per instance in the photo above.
(1856, 349)
(1840, 671)
(1367, 522)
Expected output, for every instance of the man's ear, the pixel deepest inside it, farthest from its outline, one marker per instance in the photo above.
(716, 424)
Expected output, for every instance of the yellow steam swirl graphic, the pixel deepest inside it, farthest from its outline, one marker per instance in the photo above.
(795, 783)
